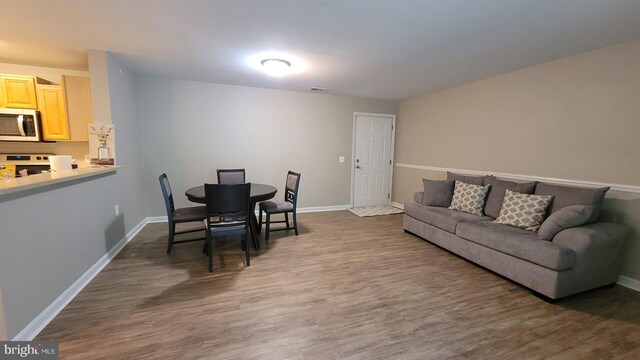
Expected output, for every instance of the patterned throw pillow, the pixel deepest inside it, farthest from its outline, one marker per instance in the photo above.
(523, 211)
(469, 198)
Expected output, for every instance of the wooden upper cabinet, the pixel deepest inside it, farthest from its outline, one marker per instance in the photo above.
(77, 92)
(66, 109)
(53, 112)
(18, 92)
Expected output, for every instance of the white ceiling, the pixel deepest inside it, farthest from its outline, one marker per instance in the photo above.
(367, 48)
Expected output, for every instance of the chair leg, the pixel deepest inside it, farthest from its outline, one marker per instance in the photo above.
(260, 218)
(210, 251)
(266, 234)
(246, 250)
(172, 231)
(295, 223)
(286, 219)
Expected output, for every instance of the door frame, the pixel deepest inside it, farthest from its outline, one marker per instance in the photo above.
(353, 151)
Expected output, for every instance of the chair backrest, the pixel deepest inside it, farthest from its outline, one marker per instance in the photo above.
(231, 176)
(291, 187)
(227, 203)
(167, 194)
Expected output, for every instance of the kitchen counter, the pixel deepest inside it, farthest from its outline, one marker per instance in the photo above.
(41, 181)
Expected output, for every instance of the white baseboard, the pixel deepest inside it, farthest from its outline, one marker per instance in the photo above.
(398, 205)
(628, 282)
(323, 208)
(160, 219)
(51, 311)
(156, 219)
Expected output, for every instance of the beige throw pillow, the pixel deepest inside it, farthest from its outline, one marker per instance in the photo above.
(469, 198)
(523, 210)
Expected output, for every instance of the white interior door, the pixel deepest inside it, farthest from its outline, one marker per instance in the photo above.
(372, 159)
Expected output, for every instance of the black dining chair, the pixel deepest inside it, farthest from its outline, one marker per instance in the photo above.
(282, 207)
(231, 176)
(228, 211)
(180, 215)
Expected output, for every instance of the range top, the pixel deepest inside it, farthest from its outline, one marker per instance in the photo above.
(25, 159)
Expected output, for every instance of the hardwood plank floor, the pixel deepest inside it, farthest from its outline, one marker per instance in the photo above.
(346, 288)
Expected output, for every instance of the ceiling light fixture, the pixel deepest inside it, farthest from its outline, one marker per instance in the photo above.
(275, 67)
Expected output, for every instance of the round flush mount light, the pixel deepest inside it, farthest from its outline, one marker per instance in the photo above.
(275, 67)
(276, 64)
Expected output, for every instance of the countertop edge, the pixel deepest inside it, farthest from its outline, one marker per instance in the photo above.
(44, 180)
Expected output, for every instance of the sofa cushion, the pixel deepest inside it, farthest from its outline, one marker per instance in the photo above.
(497, 191)
(469, 198)
(565, 218)
(517, 242)
(523, 210)
(442, 218)
(475, 180)
(417, 196)
(437, 192)
(564, 196)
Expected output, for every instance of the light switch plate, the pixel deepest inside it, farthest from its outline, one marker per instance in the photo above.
(341, 159)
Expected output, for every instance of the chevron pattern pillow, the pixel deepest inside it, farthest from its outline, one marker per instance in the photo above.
(523, 211)
(469, 198)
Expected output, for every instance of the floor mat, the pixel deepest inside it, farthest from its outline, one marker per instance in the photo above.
(376, 210)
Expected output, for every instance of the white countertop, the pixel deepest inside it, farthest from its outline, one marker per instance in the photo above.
(42, 180)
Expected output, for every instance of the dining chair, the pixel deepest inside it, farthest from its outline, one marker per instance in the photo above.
(180, 215)
(230, 176)
(282, 207)
(228, 210)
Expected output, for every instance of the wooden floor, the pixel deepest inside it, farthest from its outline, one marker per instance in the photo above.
(346, 288)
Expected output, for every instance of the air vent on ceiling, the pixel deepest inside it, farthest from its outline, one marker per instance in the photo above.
(317, 89)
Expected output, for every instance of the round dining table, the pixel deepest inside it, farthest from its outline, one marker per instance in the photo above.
(259, 192)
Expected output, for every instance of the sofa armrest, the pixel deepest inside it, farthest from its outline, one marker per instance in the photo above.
(597, 249)
(417, 197)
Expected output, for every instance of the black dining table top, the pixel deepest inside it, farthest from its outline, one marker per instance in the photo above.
(259, 192)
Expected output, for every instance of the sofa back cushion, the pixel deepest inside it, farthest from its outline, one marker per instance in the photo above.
(437, 192)
(469, 198)
(565, 218)
(475, 180)
(564, 196)
(523, 211)
(497, 191)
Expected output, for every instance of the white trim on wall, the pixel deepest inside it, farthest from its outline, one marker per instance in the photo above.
(51, 311)
(628, 282)
(398, 205)
(615, 187)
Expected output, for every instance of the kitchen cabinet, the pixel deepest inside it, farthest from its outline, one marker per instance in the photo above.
(77, 92)
(66, 109)
(18, 92)
(53, 112)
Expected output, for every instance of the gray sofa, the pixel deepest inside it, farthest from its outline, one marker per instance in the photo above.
(575, 260)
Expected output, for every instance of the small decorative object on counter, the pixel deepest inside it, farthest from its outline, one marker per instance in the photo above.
(7, 172)
(101, 144)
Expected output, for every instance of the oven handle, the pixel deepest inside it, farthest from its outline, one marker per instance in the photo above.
(21, 125)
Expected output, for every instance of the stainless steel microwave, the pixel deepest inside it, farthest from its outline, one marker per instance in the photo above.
(19, 125)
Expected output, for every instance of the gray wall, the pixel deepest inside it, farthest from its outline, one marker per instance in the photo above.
(576, 118)
(49, 239)
(189, 129)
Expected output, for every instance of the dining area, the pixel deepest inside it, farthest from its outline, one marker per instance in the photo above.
(227, 209)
